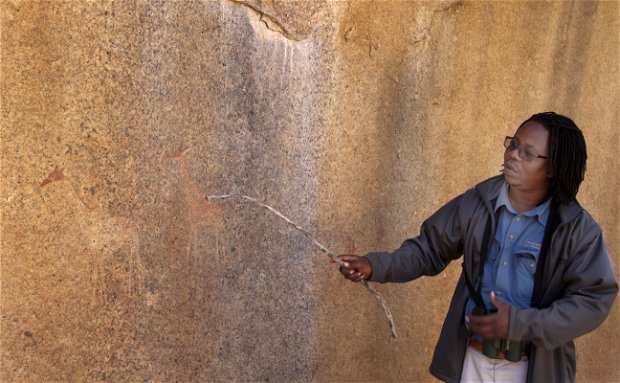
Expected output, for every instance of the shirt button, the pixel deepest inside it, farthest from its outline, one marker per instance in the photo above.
(504, 263)
(498, 293)
(518, 218)
(511, 237)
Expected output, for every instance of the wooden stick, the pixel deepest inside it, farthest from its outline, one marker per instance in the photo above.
(329, 253)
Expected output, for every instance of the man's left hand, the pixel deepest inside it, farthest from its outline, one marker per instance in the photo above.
(491, 326)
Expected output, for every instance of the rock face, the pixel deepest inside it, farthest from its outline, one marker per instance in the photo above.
(356, 119)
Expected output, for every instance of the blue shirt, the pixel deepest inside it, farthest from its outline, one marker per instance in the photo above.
(511, 262)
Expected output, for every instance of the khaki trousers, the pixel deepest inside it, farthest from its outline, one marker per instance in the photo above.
(480, 368)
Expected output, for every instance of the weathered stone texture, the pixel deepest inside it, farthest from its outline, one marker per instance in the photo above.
(356, 119)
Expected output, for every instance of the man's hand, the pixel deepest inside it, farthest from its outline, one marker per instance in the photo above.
(355, 268)
(491, 326)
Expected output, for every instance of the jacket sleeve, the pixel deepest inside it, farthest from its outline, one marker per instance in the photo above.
(590, 290)
(439, 242)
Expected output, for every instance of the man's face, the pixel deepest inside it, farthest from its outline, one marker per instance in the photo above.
(528, 176)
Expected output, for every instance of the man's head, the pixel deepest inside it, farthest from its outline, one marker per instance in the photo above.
(566, 154)
(525, 161)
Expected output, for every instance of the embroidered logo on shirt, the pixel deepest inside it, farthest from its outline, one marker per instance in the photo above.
(532, 245)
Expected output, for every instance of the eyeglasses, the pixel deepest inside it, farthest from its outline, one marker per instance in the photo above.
(512, 143)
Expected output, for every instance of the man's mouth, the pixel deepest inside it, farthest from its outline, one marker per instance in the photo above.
(508, 167)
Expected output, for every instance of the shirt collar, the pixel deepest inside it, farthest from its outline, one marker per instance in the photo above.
(540, 212)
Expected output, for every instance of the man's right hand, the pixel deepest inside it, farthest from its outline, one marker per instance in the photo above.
(355, 268)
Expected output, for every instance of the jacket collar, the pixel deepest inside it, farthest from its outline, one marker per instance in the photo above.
(489, 191)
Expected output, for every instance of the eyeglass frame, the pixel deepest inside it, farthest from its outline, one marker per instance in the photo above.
(524, 153)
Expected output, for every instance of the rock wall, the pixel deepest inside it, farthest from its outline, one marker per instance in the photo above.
(356, 119)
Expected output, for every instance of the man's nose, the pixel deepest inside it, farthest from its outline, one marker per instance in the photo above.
(513, 153)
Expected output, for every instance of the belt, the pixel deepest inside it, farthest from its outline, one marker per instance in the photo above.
(476, 345)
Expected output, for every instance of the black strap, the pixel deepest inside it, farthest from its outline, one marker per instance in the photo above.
(474, 293)
(552, 223)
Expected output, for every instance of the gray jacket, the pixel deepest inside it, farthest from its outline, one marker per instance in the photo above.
(578, 284)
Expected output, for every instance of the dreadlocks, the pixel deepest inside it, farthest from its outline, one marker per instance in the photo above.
(567, 155)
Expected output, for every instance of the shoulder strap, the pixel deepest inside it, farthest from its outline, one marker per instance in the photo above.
(474, 293)
(552, 223)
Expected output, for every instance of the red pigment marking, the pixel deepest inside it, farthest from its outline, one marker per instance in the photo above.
(54, 176)
(199, 210)
(176, 154)
(350, 247)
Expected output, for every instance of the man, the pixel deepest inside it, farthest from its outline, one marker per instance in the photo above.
(536, 271)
